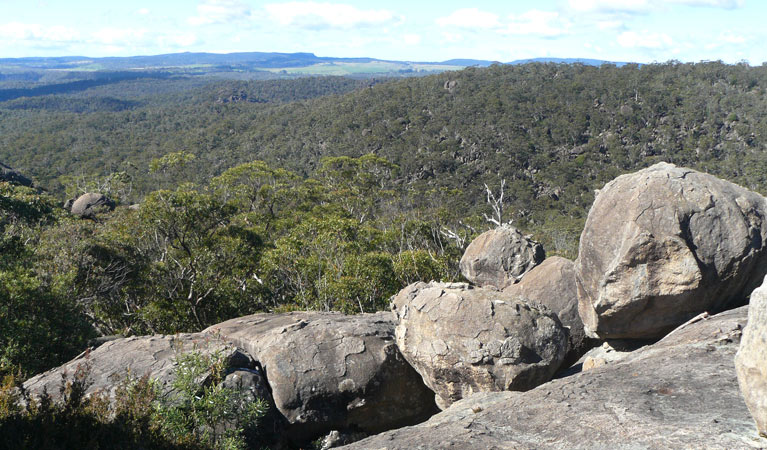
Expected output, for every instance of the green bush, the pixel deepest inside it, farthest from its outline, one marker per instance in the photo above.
(199, 414)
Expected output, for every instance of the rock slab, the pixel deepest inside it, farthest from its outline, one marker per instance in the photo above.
(464, 340)
(751, 360)
(500, 257)
(329, 371)
(681, 392)
(664, 244)
(155, 356)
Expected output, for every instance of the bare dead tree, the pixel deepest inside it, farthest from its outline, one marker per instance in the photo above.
(495, 202)
(459, 235)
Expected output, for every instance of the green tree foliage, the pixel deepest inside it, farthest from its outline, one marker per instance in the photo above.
(38, 329)
(196, 416)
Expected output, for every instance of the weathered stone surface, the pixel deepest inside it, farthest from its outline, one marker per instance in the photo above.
(88, 205)
(111, 362)
(11, 176)
(463, 339)
(681, 392)
(329, 371)
(552, 284)
(751, 359)
(609, 353)
(664, 244)
(500, 257)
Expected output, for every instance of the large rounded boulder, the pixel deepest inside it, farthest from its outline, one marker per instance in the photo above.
(329, 371)
(464, 340)
(90, 204)
(751, 359)
(552, 284)
(500, 257)
(664, 244)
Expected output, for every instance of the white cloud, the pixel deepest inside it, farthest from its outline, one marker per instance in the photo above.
(452, 37)
(726, 4)
(611, 5)
(118, 36)
(326, 15)
(645, 39)
(412, 39)
(219, 11)
(179, 40)
(535, 22)
(16, 31)
(730, 38)
(644, 6)
(143, 11)
(469, 18)
(610, 24)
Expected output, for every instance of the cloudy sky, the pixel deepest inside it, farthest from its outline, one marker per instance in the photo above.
(415, 30)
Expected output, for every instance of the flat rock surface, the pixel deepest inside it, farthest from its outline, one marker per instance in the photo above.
(114, 360)
(330, 371)
(680, 393)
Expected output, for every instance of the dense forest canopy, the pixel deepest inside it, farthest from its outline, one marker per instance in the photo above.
(552, 130)
(322, 193)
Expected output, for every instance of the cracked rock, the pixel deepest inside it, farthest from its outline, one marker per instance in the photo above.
(330, 371)
(136, 356)
(664, 244)
(679, 393)
(462, 339)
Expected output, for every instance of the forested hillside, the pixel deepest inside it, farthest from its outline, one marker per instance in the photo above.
(324, 193)
(553, 131)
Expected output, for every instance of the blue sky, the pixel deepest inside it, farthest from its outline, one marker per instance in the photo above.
(616, 30)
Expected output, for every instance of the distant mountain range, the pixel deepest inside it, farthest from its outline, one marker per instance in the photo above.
(265, 63)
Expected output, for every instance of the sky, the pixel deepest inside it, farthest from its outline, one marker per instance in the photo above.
(412, 30)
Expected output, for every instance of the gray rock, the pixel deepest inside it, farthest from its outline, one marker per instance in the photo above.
(113, 360)
(552, 284)
(88, 205)
(609, 353)
(329, 371)
(11, 176)
(336, 439)
(664, 244)
(500, 257)
(681, 392)
(751, 360)
(463, 339)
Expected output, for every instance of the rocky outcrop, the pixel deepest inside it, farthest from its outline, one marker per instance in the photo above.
(9, 175)
(751, 360)
(463, 339)
(681, 392)
(88, 205)
(664, 244)
(500, 257)
(329, 371)
(552, 284)
(111, 362)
